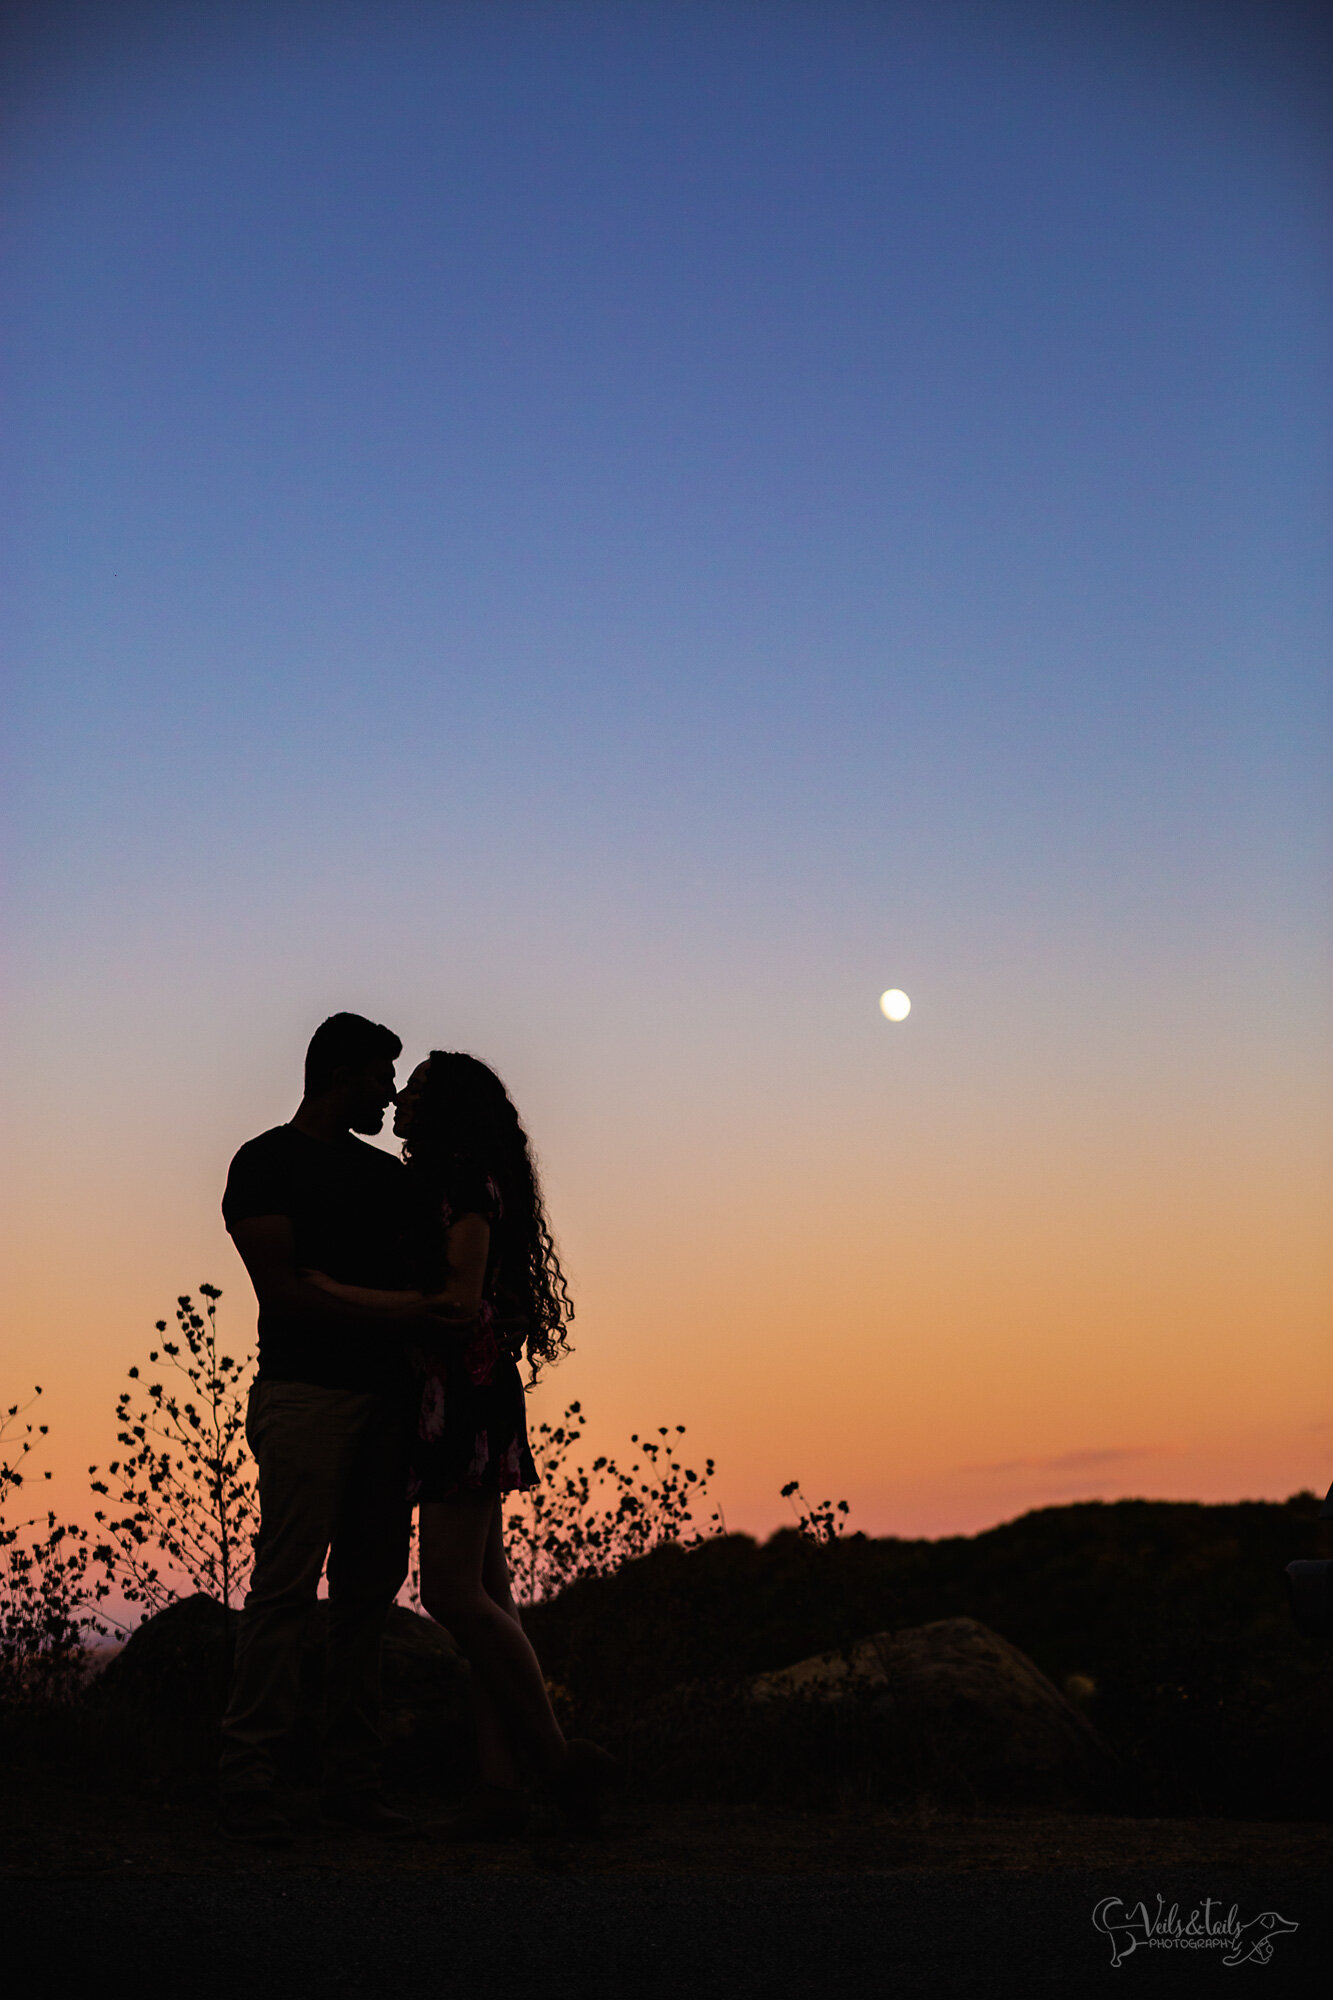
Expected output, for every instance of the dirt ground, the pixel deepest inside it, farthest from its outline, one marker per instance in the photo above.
(54, 1830)
(119, 1895)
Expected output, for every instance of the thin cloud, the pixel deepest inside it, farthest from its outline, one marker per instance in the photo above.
(1077, 1461)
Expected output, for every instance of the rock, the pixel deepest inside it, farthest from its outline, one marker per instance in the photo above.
(176, 1662)
(951, 1707)
(170, 1681)
(426, 1718)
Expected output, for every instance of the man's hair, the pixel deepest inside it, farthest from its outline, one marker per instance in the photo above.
(347, 1041)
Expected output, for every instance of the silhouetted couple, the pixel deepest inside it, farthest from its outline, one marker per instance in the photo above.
(395, 1300)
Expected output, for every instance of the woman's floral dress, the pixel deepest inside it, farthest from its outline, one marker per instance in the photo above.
(471, 1433)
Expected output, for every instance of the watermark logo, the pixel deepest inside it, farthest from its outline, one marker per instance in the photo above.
(1207, 1927)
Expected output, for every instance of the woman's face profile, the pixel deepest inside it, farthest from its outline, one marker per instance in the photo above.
(409, 1097)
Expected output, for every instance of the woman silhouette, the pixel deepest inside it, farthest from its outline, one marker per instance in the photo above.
(485, 1255)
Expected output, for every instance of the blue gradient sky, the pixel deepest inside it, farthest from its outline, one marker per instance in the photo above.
(605, 536)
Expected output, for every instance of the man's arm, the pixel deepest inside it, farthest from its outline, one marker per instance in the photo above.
(267, 1244)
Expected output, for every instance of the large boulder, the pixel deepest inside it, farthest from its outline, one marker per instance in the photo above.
(167, 1686)
(949, 1707)
(177, 1662)
(426, 1718)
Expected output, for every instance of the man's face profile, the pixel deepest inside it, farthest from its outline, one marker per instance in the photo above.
(370, 1092)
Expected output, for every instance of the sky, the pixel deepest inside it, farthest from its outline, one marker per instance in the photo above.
(607, 535)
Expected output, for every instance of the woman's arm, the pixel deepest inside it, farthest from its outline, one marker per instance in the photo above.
(359, 1299)
(466, 1247)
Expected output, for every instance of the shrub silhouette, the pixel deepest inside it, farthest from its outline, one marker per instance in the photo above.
(43, 1581)
(186, 1484)
(582, 1522)
(817, 1522)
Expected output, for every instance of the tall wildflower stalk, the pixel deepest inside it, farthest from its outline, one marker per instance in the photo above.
(185, 1489)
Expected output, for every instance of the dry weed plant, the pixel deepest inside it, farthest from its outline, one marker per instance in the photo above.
(818, 1522)
(587, 1521)
(44, 1592)
(187, 1482)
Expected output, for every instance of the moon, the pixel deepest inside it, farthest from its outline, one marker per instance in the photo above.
(894, 1005)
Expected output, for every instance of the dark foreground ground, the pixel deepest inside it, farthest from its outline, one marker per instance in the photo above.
(672, 1901)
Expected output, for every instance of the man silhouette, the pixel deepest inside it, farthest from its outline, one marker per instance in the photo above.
(327, 1426)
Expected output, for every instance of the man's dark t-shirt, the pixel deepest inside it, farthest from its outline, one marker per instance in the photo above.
(347, 1204)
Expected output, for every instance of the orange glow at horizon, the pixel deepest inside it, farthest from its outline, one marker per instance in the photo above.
(942, 1340)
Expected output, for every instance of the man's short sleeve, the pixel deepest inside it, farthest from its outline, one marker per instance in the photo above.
(259, 1182)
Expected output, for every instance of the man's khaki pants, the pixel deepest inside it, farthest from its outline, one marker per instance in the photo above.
(332, 1482)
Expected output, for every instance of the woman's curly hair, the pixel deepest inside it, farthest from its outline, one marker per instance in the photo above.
(465, 1119)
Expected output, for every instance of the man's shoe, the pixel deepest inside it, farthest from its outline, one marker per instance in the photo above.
(368, 1812)
(254, 1818)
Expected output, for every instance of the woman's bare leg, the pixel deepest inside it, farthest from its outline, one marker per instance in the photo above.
(495, 1564)
(496, 1763)
(461, 1551)
(495, 1752)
